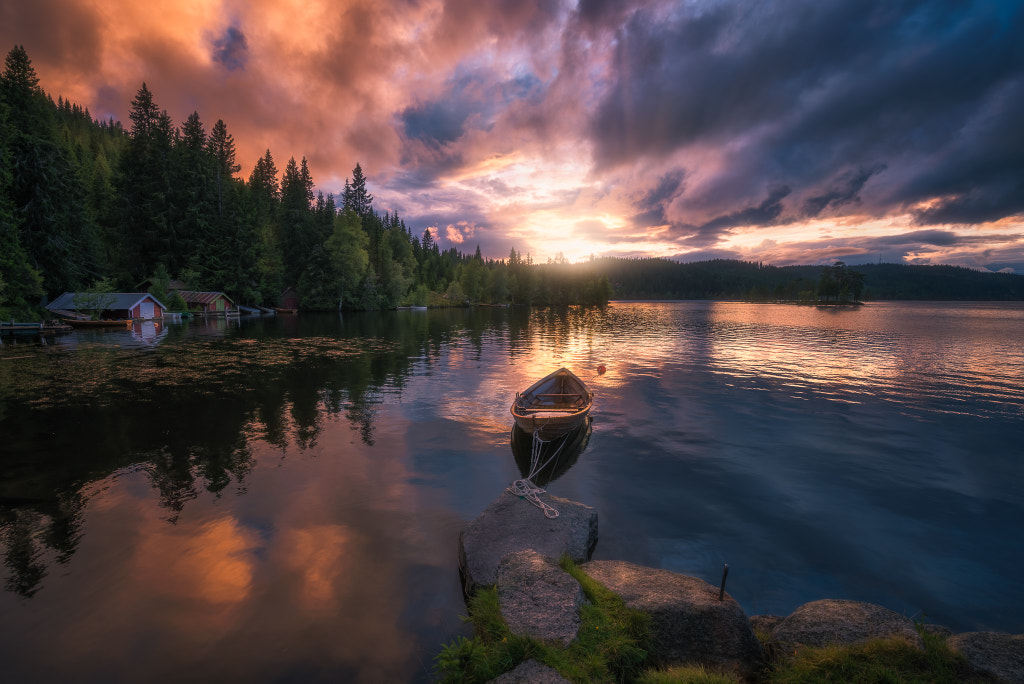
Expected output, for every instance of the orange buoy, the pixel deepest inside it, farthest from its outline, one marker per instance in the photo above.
(601, 370)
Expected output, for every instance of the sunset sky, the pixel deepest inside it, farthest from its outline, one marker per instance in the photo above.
(785, 132)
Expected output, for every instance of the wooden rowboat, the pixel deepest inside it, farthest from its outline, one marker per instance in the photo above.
(83, 323)
(553, 406)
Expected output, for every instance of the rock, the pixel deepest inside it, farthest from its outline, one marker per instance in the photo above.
(531, 672)
(821, 623)
(765, 623)
(938, 630)
(538, 598)
(512, 524)
(688, 622)
(998, 655)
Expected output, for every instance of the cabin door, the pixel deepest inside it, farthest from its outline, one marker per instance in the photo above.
(147, 309)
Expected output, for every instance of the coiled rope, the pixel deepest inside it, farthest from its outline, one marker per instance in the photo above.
(525, 488)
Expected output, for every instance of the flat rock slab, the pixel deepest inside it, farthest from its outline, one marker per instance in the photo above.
(511, 524)
(531, 672)
(841, 623)
(688, 622)
(996, 654)
(538, 598)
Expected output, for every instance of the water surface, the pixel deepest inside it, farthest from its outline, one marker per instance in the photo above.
(280, 499)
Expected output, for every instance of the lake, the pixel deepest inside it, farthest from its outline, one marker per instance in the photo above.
(280, 499)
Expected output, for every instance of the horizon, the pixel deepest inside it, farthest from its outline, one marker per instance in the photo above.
(791, 135)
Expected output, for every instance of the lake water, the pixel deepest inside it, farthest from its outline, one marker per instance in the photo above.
(279, 500)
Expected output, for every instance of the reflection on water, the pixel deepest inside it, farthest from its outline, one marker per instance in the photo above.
(279, 499)
(544, 461)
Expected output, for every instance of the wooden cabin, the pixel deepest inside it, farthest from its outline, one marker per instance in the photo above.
(119, 305)
(209, 303)
(289, 300)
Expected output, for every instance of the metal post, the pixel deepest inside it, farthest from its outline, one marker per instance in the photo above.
(725, 573)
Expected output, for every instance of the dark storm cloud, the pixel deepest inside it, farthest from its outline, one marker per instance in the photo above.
(652, 205)
(441, 121)
(828, 98)
(231, 49)
(469, 100)
(764, 213)
(927, 237)
(844, 191)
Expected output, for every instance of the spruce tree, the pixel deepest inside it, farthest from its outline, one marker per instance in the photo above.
(357, 198)
(46, 194)
(146, 184)
(20, 284)
(298, 228)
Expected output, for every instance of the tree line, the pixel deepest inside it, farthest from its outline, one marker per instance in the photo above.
(830, 284)
(86, 205)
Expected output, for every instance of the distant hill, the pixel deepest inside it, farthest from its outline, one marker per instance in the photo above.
(732, 279)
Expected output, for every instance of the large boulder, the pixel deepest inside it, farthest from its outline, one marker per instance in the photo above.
(841, 623)
(538, 598)
(998, 655)
(510, 524)
(530, 672)
(688, 622)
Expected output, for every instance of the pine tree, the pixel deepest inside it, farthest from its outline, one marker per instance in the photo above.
(19, 88)
(357, 198)
(146, 185)
(264, 186)
(221, 146)
(298, 228)
(194, 201)
(46, 194)
(20, 284)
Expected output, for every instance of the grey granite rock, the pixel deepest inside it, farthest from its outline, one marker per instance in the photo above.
(531, 672)
(538, 598)
(511, 524)
(830, 621)
(765, 623)
(688, 622)
(997, 655)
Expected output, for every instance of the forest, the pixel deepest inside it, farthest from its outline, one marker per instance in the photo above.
(835, 283)
(87, 206)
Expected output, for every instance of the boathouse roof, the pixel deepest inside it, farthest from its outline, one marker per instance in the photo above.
(121, 300)
(193, 297)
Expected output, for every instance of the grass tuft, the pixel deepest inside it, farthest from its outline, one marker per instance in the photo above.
(687, 674)
(613, 642)
(887, 660)
(610, 646)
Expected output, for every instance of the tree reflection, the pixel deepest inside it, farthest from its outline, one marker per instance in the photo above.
(187, 410)
(32, 530)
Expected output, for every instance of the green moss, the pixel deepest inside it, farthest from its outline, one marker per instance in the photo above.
(492, 650)
(613, 642)
(610, 646)
(879, 660)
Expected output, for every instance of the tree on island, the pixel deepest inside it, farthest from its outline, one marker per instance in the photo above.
(840, 283)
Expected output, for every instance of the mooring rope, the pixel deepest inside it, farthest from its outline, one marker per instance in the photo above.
(525, 488)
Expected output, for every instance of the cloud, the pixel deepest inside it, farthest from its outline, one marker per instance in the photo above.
(823, 98)
(231, 49)
(682, 128)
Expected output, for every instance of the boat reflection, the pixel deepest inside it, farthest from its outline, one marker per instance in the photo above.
(554, 457)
